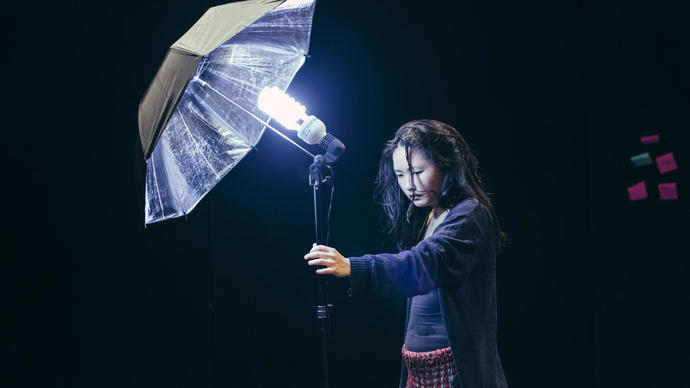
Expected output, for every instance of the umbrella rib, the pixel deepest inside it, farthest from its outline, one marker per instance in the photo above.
(222, 76)
(155, 179)
(259, 119)
(197, 144)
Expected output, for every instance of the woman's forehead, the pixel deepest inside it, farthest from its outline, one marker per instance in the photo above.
(417, 158)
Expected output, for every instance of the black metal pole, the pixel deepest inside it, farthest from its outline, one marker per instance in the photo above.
(322, 308)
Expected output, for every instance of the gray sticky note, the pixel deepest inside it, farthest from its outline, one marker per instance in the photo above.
(642, 159)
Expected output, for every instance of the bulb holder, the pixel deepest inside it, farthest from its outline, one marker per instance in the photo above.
(312, 131)
(334, 147)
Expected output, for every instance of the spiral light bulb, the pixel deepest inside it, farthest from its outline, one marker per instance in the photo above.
(283, 108)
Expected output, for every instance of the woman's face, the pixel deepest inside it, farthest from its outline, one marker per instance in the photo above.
(423, 187)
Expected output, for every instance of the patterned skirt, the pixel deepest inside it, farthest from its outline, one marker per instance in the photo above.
(429, 369)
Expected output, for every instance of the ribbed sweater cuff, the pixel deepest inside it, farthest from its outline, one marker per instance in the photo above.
(360, 276)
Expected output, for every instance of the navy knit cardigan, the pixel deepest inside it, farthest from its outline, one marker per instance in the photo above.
(459, 259)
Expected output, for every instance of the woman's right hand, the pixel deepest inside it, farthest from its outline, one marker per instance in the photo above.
(334, 263)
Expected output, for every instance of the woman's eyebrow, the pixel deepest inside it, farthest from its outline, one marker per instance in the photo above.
(413, 169)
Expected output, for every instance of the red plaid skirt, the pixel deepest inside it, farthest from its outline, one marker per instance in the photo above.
(429, 369)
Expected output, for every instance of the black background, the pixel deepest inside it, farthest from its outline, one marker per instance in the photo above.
(552, 96)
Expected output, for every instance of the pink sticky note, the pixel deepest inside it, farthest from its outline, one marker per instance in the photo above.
(666, 163)
(637, 191)
(651, 139)
(668, 190)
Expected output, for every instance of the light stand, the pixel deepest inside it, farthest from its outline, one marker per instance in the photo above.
(292, 115)
(323, 308)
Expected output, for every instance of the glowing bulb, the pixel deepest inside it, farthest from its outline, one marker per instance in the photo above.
(292, 115)
(283, 108)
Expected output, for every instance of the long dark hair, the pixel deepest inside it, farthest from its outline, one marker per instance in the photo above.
(442, 144)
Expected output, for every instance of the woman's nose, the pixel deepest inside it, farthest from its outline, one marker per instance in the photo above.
(409, 185)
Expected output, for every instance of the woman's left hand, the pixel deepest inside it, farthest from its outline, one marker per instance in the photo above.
(334, 263)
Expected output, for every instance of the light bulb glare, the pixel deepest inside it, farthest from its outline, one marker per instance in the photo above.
(282, 107)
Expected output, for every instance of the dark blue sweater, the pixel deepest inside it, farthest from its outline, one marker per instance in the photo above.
(459, 259)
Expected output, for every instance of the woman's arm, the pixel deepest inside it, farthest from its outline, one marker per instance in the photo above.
(442, 259)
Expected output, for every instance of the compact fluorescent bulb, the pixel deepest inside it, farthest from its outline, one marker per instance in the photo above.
(283, 108)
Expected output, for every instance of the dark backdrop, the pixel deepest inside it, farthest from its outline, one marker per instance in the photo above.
(552, 96)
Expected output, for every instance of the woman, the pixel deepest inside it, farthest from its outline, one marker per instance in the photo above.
(445, 226)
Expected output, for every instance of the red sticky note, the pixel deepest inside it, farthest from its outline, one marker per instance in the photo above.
(637, 191)
(666, 163)
(651, 139)
(668, 190)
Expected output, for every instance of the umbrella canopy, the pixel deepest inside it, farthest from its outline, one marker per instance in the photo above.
(198, 118)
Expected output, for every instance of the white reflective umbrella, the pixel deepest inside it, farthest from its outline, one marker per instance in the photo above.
(198, 118)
